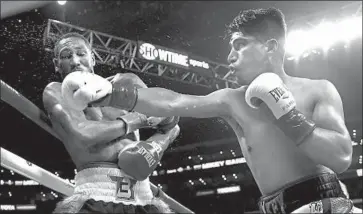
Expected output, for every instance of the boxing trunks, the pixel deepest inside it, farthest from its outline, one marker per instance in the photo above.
(104, 188)
(318, 194)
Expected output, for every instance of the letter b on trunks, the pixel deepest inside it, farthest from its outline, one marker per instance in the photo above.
(124, 188)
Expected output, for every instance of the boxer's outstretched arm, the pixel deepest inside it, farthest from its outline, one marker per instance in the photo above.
(88, 132)
(330, 143)
(162, 102)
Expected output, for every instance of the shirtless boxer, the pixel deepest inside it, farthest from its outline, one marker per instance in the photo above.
(291, 130)
(100, 140)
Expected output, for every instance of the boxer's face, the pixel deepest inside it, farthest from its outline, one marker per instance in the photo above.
(73, 55)
(247, 58)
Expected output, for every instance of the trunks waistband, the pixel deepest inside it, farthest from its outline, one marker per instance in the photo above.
(302, 192)
(106, 182)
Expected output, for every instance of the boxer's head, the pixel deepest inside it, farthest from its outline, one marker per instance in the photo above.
(257, 39)
(72, 52)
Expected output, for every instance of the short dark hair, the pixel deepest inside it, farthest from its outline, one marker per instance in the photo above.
(69, 35)
(264, 24)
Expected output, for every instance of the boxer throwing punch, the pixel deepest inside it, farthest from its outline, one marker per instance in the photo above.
(291, 130)
(100, 141)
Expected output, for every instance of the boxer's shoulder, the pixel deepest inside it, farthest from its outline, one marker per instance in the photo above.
(313, 91)
(53, 86)
(52, 94)
(323, 86)
(317, 85)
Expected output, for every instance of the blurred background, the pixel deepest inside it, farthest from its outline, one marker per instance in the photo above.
(204, 169)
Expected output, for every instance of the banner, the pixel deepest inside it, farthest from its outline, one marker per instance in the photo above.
(168, 56)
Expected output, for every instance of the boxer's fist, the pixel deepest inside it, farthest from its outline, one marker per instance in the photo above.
(168, 124)
(81, 88)
(270, 89)
(140, 160)
(134, 121)
(123, 94)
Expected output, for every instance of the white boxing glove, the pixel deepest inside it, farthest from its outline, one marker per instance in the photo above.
(269, 88)
(80, 88)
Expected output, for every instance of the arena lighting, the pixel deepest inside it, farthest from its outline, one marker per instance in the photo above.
(62, 2)
(9, 207)
(204, 192)
(207, 165)
(19, 183)
(354, 143)
(225, 190)
(359, 172)
(26, 207)
(324, 35)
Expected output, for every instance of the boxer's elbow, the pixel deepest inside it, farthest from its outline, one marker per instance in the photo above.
(344, 157)
(341, 164)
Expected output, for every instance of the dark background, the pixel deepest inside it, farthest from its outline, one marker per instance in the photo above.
(195, 27)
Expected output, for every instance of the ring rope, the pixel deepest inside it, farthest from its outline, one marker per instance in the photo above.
(40, 175)
(23, 167)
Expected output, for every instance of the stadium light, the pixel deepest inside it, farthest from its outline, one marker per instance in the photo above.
(62, 2)
(323, 36)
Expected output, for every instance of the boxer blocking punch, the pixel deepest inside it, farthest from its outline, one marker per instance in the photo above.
(139, 161)
(99, 140)
(291, 130)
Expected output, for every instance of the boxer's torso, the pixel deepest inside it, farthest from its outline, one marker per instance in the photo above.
(273, 159)
(78, 152)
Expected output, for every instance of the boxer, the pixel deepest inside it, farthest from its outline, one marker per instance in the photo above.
(291, 130)
(113, 164)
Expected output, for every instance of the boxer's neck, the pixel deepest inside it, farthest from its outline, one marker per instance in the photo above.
(280, 71)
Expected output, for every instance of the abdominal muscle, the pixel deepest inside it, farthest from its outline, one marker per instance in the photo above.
(83, 156)
(274, 160)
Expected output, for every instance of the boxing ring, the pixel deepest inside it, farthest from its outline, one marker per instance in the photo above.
(30, 170)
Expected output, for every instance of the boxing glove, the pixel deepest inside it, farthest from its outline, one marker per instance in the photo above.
(140, 160)
(270, 89)
(81, 88)
(123, 95)
(134, 121)
(168, 124)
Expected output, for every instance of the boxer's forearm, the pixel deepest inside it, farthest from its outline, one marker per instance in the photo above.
(162, 102)
(165, 139)
(328, 148)
(99, 132)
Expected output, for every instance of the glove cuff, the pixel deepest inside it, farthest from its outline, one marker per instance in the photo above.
(124, 97)
(296, 126)
(168, 124)
(133, 121)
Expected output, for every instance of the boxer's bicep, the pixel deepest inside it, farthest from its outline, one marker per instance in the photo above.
(165, 103)
(328, 111)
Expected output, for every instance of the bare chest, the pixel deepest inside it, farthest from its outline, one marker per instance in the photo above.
(255, 127)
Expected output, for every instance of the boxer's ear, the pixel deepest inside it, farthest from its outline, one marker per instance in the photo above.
(93, 58)
(56, 64)
(271, 45)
